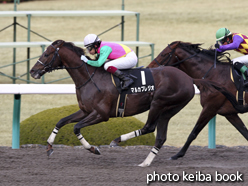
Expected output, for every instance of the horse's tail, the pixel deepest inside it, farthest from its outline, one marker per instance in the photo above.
(204, 85)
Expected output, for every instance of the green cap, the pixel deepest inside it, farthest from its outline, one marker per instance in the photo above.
(222, 33)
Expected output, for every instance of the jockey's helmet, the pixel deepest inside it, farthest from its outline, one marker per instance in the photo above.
(90, 40)
(222, 33)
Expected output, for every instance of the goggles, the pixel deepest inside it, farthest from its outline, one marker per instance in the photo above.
(224, 40)
(90, 47)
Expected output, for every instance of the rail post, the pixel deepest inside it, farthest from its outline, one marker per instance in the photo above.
(137, 35)
(28, 49)
(16, 122)
(212, 133)
(122, 22)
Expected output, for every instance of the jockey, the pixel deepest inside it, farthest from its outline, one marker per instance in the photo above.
(120, 57)
(237, 42)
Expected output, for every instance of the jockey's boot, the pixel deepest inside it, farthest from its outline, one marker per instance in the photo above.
(243, 69)
(125, 78)
(246, 75)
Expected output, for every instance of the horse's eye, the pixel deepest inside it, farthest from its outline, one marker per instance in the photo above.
(46, 55)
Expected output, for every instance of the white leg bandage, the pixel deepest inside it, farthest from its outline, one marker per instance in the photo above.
(130, 135)
(83, 141)
(51, 138)
(147, 162)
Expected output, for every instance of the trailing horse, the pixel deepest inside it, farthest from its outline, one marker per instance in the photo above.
(200, 63)
(98, 97)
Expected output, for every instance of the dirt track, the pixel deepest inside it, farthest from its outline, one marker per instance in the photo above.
(118, 166)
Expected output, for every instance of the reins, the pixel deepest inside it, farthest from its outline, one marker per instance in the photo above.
(90, 79)
(179, 62)
(49, 65)
(207, 72)
(170, 56)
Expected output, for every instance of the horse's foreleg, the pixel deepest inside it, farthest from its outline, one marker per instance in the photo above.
(235, 120)
(75, 117)
(211, 102)
(93, 118)
(204, 118)
(87, 146)
(50, 141)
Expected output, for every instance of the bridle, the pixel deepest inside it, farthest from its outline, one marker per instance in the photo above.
(48, 68)
(169, 57)
(170, 54)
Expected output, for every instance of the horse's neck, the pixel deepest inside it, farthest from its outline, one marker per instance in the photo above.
(76, 67)
(199, 69)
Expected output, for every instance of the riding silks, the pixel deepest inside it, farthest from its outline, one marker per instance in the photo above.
(143, 82)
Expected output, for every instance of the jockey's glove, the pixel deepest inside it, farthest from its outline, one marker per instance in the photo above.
(217, 45)
(84, 58)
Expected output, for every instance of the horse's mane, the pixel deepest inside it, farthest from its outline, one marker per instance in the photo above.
(209, 53)
(79, 51)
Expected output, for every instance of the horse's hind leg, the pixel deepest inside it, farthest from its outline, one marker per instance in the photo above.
(148, 128)
(153, 118)
(75, 117)
(160, 139)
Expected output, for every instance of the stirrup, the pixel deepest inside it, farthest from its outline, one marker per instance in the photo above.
(126, 87)
(245, 83)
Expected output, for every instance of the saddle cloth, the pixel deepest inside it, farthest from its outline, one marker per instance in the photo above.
(143, 83)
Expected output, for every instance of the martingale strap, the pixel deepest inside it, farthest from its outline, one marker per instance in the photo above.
(121, 103)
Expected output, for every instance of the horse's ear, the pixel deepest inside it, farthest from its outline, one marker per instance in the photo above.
(60, 43)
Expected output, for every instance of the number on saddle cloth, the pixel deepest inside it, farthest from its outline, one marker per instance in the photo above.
(143, 82)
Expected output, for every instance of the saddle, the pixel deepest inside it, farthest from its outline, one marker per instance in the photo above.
(143, 82)
(239, 81)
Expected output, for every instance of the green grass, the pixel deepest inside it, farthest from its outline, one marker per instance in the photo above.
(37, 128)
(161, 22)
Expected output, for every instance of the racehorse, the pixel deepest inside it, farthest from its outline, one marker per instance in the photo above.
(97, 96)
(199, 63)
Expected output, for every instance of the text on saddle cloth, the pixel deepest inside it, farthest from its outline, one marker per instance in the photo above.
(143, 82)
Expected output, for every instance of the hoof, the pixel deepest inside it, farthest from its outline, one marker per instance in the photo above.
(144, 165)
(173, 158)
(113, 144)
(94, 150)
(176, 157)
(49, 152)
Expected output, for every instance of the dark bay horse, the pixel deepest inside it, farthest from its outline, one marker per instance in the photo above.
(198, 63)
(97, 96)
